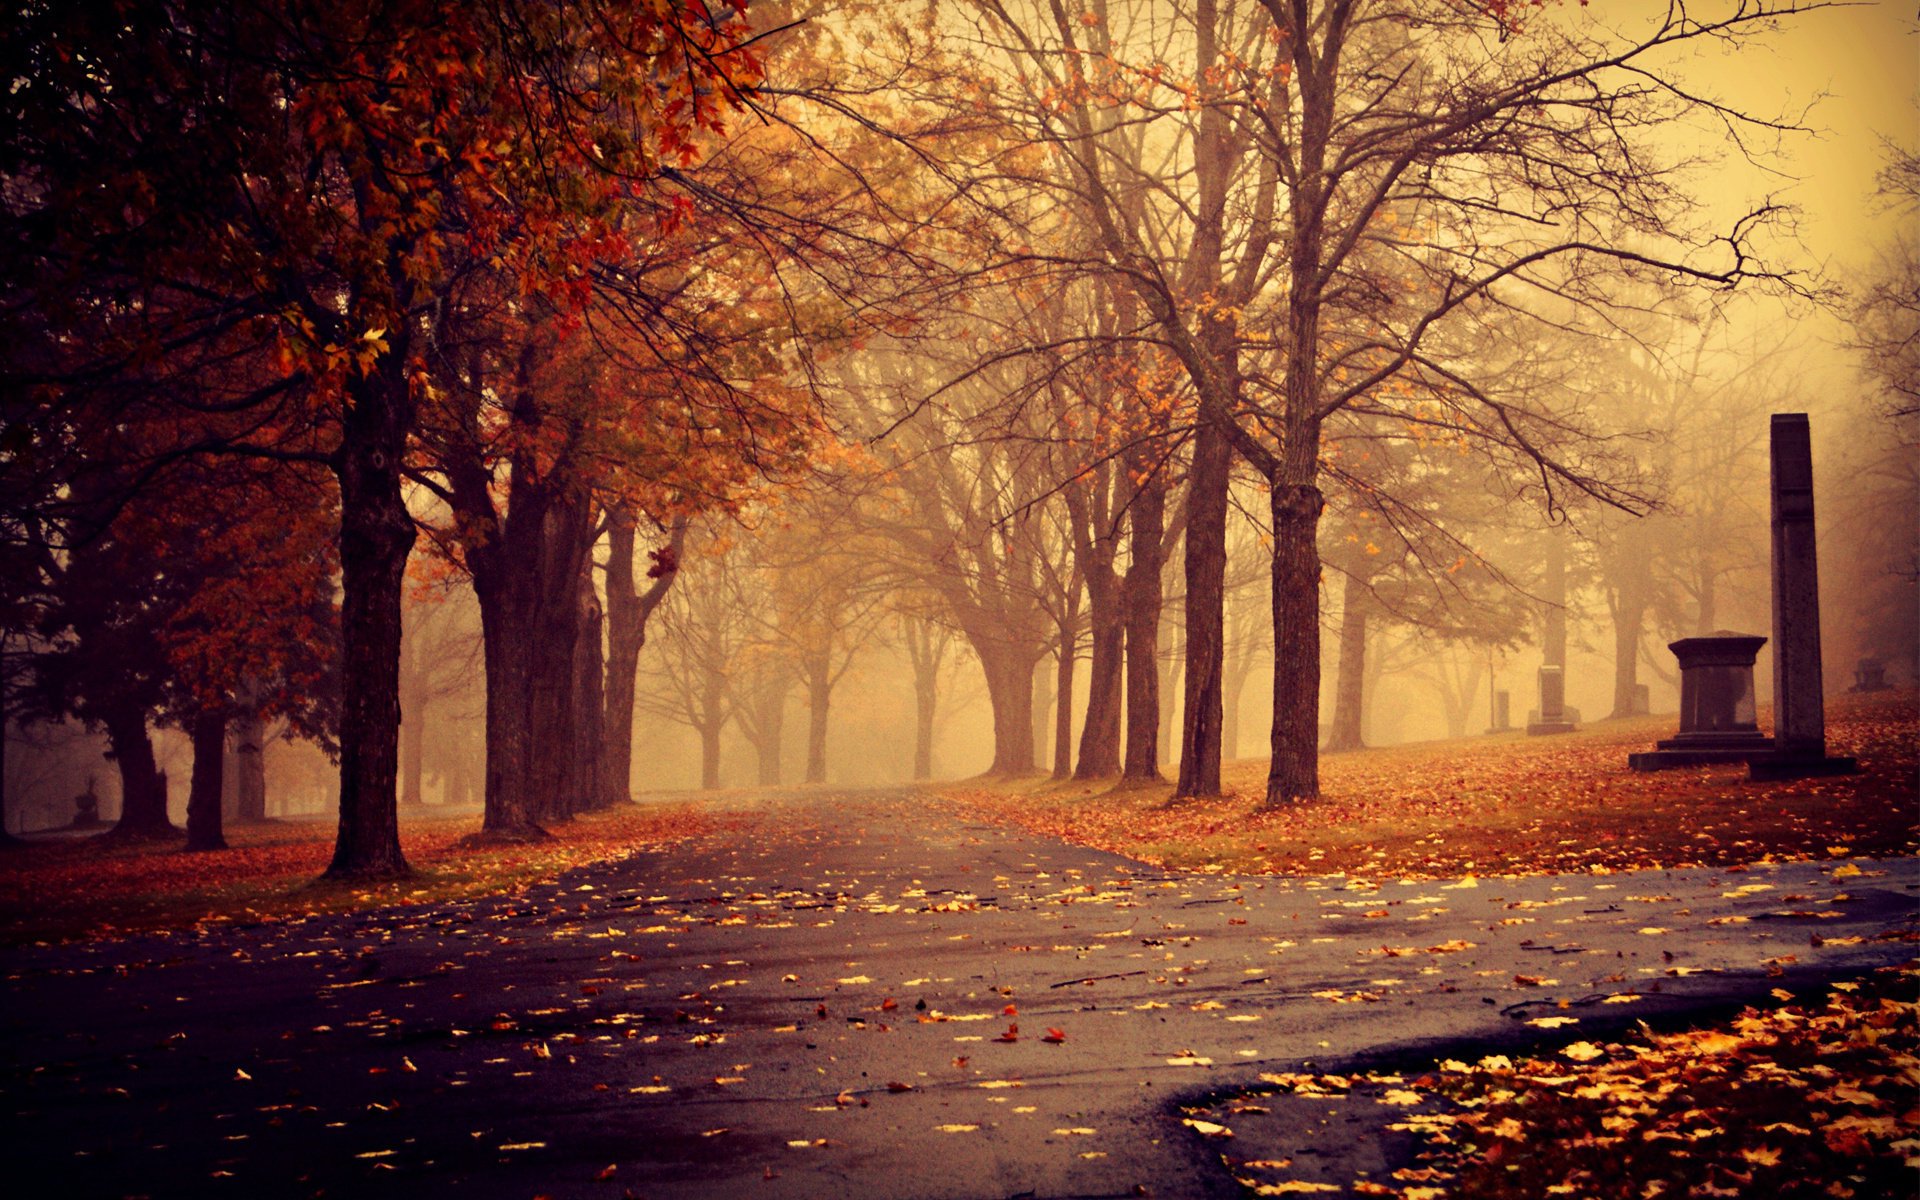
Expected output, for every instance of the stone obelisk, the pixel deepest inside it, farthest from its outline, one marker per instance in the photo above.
(1799, 707)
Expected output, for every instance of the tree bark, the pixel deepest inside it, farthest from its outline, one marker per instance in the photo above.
(1043, 681)
(143, 793)
(250, 768)
(1010, 692)
(552, 768)
(627, 614)
(376, 535)
(1146, 520)
(204, 830)
(926, 699)
(413, 725)
(1294, 773)
(588, 698)
(1064, 655)
(819, 673)
(710, 756)
(1346, 732)
(1202, 712)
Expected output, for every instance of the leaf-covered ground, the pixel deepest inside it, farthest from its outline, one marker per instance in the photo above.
(1504, 804)
(100, 887)
(1803, 1099)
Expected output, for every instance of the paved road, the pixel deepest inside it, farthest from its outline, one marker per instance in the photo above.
(819, 1006)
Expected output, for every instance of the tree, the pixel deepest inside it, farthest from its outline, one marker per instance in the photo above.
(311, 185)
(1477, 167)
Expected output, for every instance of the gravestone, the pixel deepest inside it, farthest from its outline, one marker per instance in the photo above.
(1870, 675)
(1553, 715)
(1716, 704)
(1502, 712)
(1799, 707)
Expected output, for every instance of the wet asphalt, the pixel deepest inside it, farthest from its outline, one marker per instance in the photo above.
(851, 994)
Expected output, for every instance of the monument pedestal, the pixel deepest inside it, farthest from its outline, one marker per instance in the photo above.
(1716, 705)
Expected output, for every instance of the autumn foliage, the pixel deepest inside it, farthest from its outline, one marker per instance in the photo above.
(1509, 804)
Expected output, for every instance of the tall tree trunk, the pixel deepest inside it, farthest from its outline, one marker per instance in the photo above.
(553, 767)
(819, 673)
(1349, 687)
(376, 535)
(771, 720)
(504, 587)
(1295, 770)
(1010, 692)
(710, 756)
(204, 831)
(1206, 571)
(250, 766)
(1064, 655)
(1173, 669)
(627, 614)
(143, 792)
(588, 698)
(1043, 681)
(1146, 521)
(926, 698)
(413, 724)
(1099, 756)
(1234, 687)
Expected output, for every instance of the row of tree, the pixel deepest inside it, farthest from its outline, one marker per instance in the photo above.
(993, 301)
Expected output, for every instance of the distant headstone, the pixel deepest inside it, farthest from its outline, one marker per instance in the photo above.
(1799, 708)
(1716, 704)
(1642, 701)
(1502, 712)
(1870, 675)
(86, 808)
(1552, 716)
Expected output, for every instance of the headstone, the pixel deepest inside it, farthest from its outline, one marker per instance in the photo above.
(1553, 715)
(1642, 700)
(1502, 712)
(1870, 675)
(1799, 708)
(1716, 704)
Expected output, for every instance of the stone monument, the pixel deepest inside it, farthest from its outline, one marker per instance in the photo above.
(1799, 707)
(1716, 704)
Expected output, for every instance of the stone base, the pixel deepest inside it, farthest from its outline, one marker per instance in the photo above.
(1774, 768)
(1539, 727)
(1699, 756)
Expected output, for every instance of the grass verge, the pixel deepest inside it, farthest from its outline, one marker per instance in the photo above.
(1501, 804)
(94, 888)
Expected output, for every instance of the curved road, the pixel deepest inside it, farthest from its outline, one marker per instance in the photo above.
(825, 1004)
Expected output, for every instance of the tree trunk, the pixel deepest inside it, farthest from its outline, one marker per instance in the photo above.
(926, 697)
(1064, 655)
(1349, 685)
(588, 699)
(1295, 770)
(626, 635)
(1140, 594)
(143, 792)
(710, 756)
(1234, 687)
(1010, 692)
(627, 614)
(1627, 624)
(1206, 570)
(1173, 669)
(250, 767)
(376, 535)
(505, 592)
(1043, 680)
(1099, 756)
(413, 725)
(552, 768)
(772, 721)
(819, 673)
(204, 830)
